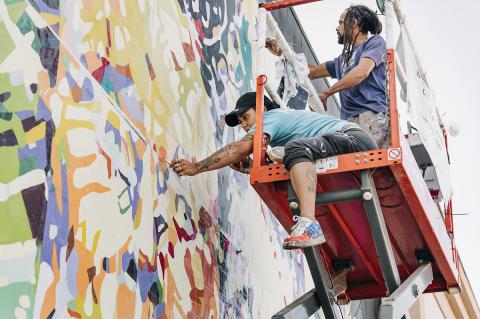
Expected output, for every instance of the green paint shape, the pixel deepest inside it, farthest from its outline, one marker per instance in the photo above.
(6, 43)
(15, 9)
(18, 100)
(9, 165)
(123, 210)
(28, 164)
(4, 114)
(25, 25)
(10, 2)
(15, 226)
(10, 296)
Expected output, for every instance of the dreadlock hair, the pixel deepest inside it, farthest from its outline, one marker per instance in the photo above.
(367, 22)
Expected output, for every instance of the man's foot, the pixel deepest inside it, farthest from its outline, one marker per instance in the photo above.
(305, 233)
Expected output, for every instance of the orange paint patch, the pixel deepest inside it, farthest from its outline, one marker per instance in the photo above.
(85, 262)
(109, 163)
(125, 308)
(93, 62)
(175, 62)
(141, 147)
(74, 314)
(76, 93)
(125, 70)
(189, 53)
(115, 5)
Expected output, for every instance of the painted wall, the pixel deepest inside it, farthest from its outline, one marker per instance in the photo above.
(94, 96)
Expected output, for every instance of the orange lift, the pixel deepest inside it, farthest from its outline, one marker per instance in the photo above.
(385, 235)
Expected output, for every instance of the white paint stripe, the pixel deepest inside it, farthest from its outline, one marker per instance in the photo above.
(17, 250)
(20, 183)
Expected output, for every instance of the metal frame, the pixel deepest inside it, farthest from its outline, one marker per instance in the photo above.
(379, 232)
(405, 296)
(284, 4)
(261, 173)
(323, 295)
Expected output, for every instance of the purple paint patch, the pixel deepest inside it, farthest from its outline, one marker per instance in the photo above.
(46, 6)
(126, 260)
(54, 217)
(43, 113)
(87, 90)
(130, 99)
(119, 80)
(72, 270)
(22, 115)
(145, 279)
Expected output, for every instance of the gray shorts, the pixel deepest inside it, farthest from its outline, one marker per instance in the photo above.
(375, 124)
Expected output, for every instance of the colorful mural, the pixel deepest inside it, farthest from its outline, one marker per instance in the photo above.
(95, 98)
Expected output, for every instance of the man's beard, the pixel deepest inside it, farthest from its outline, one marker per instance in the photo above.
(341, 38)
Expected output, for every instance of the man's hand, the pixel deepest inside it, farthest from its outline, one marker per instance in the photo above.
(272, 46)
(184, 168)
(242, 166)
(229, 154)
(323, 97)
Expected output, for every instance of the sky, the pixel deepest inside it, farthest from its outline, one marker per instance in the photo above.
(443, 32)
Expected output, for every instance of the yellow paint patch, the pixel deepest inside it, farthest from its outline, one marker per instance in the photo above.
(82, 228)
(51, 19)
(36, 133)
(138, 216)
(197, 269)
(95, 242)
(114, 119)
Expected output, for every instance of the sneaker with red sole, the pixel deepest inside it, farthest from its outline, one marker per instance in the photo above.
(305, 233)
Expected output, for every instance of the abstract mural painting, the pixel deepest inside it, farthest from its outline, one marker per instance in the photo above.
(95, 98)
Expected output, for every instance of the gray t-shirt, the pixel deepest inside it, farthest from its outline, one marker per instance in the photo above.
(370, 94)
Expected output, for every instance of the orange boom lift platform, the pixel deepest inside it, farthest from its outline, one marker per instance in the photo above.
(385, 235)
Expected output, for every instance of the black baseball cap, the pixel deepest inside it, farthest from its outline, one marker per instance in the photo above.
(245, 102)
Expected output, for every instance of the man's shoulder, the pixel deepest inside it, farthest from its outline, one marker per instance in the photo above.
(375, 39)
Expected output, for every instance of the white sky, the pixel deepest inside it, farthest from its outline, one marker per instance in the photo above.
(443, 32)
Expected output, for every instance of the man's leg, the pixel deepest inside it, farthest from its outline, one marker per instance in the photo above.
(304, 181)
(299, 160)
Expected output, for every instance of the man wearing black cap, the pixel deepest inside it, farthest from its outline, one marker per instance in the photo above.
(306, 136)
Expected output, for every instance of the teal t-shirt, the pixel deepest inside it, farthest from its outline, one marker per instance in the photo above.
(285, 125)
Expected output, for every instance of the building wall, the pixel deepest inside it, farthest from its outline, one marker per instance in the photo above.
(95, 96)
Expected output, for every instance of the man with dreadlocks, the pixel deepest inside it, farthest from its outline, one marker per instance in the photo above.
(360, 70)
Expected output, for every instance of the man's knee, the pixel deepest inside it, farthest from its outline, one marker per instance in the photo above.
(297, 151)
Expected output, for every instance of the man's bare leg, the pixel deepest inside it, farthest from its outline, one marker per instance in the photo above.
(304, 182)
(307, 231)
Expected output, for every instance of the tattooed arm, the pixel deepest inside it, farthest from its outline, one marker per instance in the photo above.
(231, 153)
(244, 165)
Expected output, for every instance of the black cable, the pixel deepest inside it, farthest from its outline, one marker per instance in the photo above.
(358, 309)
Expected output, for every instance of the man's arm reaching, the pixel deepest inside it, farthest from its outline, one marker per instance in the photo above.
(231, 153)
(354, 77)
(318, 71)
